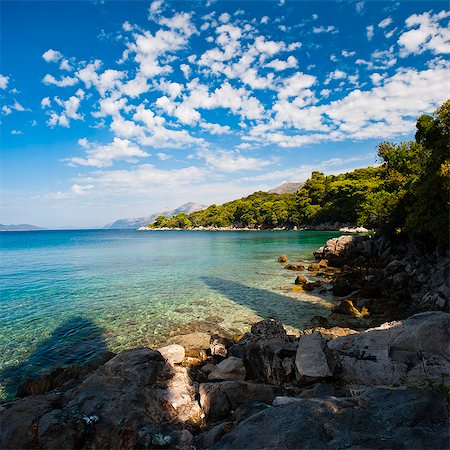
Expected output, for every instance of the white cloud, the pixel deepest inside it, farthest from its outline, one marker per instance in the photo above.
(385, 22)
(346, 53)
(52, 55)
(426, 33)
(215, 129)
(46, 102)
(370, 32)
(78, 189)
(335, 75)
(232, 161)
(98, 155)
(328, 29)
(16, 132)
(163, 156)
(63, 82)
(3, 81)
(279, 65)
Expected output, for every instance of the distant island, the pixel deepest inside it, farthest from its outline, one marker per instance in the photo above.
(19, 227)
(133, 223)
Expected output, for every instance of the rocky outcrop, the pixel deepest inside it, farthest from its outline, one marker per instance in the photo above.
(378, 418)
(414, 351)
(268, 353)
(218, 400)
(135, 400)
(392, 279)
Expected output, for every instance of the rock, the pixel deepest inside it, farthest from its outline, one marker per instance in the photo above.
(342, 288)
(61, 377)
(218, 400)
(310, 286)
(314, 267)
(229, 369)
(396, 353)
(268, 328)
(311, 360)
(210, 437)
(296, 267)
(346, 307)
(268, 353)
(174, 353)
(379, 418)
(323, 263)
(282, 258)
(301, 279)
(219, 345)
(192, 341)
(136, 398)
(207, 368)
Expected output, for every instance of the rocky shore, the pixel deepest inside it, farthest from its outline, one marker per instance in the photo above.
(352, 380)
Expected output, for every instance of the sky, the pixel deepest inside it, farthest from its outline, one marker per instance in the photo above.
(115, 109)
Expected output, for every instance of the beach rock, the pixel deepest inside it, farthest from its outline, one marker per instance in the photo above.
(174, 353)
(268, 353)
(378, 418)
(346, 307)
(218, 400)
(296, 267)
(134, 400)
(301, 279)
(191, 341)
(219, 345)
(282, 258)
(311, 360)
(314, 267)
(323, 263)
(229, 369)
(396, 353)
(208, 438)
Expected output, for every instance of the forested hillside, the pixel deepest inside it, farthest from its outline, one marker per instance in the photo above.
(407, 192)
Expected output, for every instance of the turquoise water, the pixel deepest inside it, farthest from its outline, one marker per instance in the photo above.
(67, 296)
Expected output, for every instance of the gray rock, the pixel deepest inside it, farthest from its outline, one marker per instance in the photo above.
(399, 353)
(173, 353)
(268, 353)
(229, 369)
(218, 400)
(311, 360)
(379, 418)
(135, 400)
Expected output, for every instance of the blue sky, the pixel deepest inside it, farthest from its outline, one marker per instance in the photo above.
(118, 109)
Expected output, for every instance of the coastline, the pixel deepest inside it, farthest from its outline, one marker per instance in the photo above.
(268, 387)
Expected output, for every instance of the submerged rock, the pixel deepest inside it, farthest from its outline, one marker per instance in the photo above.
(282, 258)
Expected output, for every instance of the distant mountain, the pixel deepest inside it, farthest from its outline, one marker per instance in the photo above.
(19, 227)
(132, 224)
(286, 188)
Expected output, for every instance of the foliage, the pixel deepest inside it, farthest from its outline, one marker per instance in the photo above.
(407, 193)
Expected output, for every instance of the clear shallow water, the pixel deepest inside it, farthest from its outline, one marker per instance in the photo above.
(67, 296)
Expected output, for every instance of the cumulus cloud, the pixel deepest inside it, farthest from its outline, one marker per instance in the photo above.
(98, 155)
(325, 29)
(52, 55)
(232, 161)
(370, 32)
(3, 81)
(63, 82)
(427, 31)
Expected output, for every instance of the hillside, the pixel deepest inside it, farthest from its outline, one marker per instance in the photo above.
(133, 223)
(407, 193)
(286, 188)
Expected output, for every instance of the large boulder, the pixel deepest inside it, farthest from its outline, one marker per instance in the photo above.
(173, 353)
(268, 353)
(218, 400)
(379, 418)
(311, 359)
(229, 369)
(413, 351)
(135, 400)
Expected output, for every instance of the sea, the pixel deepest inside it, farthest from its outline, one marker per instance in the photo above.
(68, 296)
